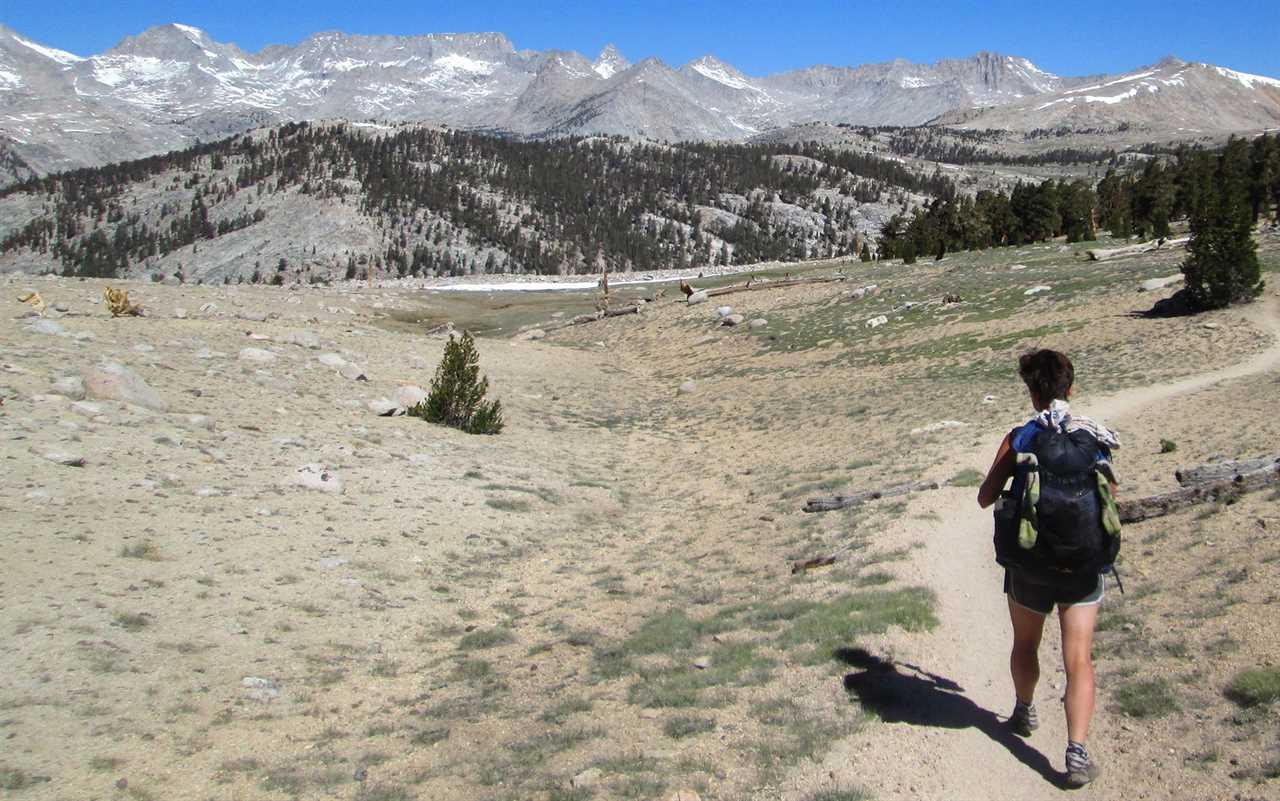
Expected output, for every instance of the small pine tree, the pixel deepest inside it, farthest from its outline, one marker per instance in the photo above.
(866, 252)
(457, 392)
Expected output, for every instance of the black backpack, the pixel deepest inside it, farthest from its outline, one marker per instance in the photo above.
(1064, 526)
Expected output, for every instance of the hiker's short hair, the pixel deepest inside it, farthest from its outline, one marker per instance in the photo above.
(1047, 373)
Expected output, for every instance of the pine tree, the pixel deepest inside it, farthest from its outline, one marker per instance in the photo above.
(457, 392)
(1222, 267)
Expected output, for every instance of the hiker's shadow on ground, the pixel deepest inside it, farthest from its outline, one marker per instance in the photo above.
(915, 696)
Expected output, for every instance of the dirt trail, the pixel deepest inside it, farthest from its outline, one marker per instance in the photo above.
(952, 743)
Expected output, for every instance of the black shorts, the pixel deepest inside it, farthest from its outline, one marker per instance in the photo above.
(1041, 598)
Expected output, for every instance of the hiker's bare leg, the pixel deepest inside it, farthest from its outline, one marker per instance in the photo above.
(1077, 657)
(1024, 659)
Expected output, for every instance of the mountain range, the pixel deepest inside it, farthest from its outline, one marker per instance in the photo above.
(173, 84)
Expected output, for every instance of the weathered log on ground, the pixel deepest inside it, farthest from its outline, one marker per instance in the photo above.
(810, 564)
(833, 502)
(757, 285)
(1220, 471)
(1106, 254)
(1139, 509)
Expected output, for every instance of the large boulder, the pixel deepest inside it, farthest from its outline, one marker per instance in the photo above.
(114, 381)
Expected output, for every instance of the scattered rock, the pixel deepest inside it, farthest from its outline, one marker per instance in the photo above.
(331, 360)
(1154, 284)
(261, 690)
(71, 386)
(876, 322)
(531, 335)
(257, 355)
(732, 319)
(588, 778)
(200, 421)
(988, 398)
(114, 381)
(61, 457)
(1016, 267)
(724, 311)
(684, 795)
(180, 314)
(409, 395)
(317, 477)
(759, 322)
(43, 326)
(352, 372)
(1210, 326)
(208, 308)
(303, 339)
(700, 296)
(87, 408)
(253, 316)
(1036, 290)
(385, 408)
(941, 425)
(687, 388)
(702, 662)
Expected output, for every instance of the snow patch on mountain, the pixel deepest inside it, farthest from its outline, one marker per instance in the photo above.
(1246, 79)
(60, 56)
(718, 72)
(455, 62)
(9, 80)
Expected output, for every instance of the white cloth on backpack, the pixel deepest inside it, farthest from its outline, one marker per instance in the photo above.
(1059, 415)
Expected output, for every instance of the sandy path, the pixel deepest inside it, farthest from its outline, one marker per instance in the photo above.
(949, 742)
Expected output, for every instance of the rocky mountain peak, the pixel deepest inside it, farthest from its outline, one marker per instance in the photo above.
(610, 62)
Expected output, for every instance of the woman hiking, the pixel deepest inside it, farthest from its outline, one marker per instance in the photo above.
(1053, 545)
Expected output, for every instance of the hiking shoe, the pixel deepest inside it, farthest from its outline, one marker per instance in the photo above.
(1024, 720)
(1080, 768)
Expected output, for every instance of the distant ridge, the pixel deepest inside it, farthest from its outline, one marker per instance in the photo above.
(173, 84)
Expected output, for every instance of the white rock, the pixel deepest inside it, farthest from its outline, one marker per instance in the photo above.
(1210, 326)
(303, 339)
(87, 408)
(876, 322)
(1154, 284)
(253, 316)
(989, 399)
(941, 425)
(759, 322)
(385, 408)
(260, 689)
(1036, 290)
(61, 457)
(208, 308)
(410, 395)
(49, 327)
(698, 297)
(724, 311)
(114, 381)
(180, 313)
(331, 360)
(71, 386)
(352, 371)
(687, 387)
(257, 355)
(317, 477)
(531, 335)
(200, 421)
(1016, 267)
(731, 319)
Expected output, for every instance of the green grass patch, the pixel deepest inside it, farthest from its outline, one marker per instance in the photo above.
(681, 726)
(559, 713)
(508, 504)
(967, 477)
(837, 624)
(730, 664)
(1146, 698)
(1254, 687)
(485, 638)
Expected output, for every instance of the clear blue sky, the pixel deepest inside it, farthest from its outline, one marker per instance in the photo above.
(1075, 38)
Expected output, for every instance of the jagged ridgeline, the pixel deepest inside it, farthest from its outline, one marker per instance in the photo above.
(327, 201)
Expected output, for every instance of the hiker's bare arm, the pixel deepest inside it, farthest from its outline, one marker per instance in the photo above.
(999, 473)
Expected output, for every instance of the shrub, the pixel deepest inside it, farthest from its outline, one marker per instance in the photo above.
(457, 392)
(1255, 686)
(1168, 446)
(1151, 698)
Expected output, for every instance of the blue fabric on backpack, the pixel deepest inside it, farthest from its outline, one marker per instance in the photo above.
(1020, 440)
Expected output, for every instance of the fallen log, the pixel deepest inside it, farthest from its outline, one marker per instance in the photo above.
(757, 285)
(1139, 509)
(833, 502)
(1220, 471)
(1106, 254)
